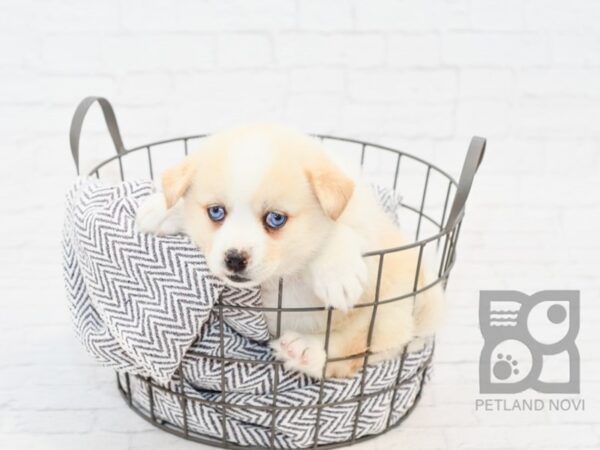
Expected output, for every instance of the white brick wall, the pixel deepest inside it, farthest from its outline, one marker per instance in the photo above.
(421, 75)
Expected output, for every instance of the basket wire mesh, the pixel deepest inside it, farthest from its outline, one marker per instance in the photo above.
(445, 230)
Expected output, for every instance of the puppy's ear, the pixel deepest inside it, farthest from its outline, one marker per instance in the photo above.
(176, 181)
(331, 186)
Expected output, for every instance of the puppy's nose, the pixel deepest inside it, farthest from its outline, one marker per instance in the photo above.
(235, 260)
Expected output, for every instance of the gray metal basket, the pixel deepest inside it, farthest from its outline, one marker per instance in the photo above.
(449, 202)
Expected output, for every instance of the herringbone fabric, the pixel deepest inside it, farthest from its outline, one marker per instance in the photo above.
(143, 304)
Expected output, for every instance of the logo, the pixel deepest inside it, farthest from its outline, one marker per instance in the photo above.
(529, 342)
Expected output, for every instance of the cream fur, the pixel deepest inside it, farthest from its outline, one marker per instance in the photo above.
(332, 221)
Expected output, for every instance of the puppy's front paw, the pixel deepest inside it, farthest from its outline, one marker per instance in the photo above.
(154, 217)
(303, 353)
(340, 283)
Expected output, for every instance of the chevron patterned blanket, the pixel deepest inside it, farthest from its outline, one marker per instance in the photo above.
(142, 305)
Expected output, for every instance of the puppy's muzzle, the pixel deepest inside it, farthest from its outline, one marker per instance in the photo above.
(236, 261)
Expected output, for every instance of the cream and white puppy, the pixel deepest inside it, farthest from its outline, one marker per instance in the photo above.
(264, 202)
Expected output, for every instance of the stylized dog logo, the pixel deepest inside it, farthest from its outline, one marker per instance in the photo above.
(529, 342)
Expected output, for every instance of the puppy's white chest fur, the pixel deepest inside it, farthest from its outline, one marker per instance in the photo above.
(297, 292)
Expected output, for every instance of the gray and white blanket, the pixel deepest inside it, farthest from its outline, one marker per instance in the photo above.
(143, 305)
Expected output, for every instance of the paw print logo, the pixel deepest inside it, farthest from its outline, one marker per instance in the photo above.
(522, 333)
(505, 367)
(510, 361)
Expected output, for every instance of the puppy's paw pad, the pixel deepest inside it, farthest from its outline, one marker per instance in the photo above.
(341, 285)
(300, 353)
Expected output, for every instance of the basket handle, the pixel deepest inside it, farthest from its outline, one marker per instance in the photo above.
(109, 118)
(470, 166)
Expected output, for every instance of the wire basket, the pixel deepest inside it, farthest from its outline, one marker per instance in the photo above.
(432, 206)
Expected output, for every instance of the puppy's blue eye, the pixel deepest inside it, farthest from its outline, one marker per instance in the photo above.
(275, 220)
(216, 213)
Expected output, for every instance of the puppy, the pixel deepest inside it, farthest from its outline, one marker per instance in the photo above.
(264, 202)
